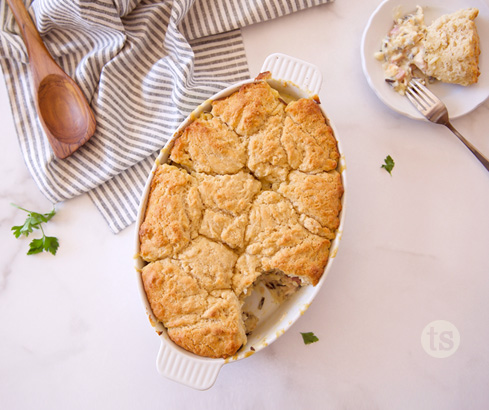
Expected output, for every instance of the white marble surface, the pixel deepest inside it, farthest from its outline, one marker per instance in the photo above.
(74, 334)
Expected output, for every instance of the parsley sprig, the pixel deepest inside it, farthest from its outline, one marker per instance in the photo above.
(309, 337)
(388, 164)
(34, 221)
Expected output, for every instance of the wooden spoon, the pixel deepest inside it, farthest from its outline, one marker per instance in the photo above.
(62, 108)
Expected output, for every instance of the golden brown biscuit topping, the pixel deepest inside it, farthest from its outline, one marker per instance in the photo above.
(452, 48)
(172, 215)
(252, 190)
(224, 153)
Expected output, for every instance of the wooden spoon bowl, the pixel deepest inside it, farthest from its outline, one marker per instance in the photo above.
(61, 106)
(63, 110)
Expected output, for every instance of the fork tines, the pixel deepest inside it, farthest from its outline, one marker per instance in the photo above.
(419, 95)
(425, 101)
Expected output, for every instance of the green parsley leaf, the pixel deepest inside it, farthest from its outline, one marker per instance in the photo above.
(388, 164)
(36, 246)
(34, 221)
(46, 243)
(17, 230)
(51, 244)
(309, 337)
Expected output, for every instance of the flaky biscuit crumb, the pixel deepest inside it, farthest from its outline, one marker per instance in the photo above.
(308, 139)
(224, 151)
(316, 195)
(452, 48)
(173, 214)
(277, 238)
(247, 110)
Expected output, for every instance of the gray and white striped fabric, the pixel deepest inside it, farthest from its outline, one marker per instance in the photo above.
(144, 65)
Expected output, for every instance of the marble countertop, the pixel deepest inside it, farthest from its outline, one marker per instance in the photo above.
(74, 333)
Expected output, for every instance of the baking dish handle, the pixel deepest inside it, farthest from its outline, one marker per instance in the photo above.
(299, 72)
(183, 367)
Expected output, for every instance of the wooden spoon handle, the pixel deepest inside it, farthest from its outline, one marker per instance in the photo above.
(41, 60)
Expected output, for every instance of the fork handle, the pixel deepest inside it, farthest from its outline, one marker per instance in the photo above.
(484, 161)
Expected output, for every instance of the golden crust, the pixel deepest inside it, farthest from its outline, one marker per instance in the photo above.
(206, 323)
(224, 151)
(221, 332)
(308, 139)
(227, 200)
(210, 263)
(232, 194)
(317, 196)
(247, 110)
(267, 158)
(277, 238)
(223, 227)
(253, 191)
(452, 48)
(173, 214)
(248, 268)
(176, 297)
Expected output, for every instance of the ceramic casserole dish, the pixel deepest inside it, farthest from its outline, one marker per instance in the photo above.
(293, 79)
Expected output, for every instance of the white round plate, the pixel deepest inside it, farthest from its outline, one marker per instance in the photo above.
(458, 99)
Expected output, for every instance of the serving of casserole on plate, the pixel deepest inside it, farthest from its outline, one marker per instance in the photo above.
(435, 36)
(239, 221)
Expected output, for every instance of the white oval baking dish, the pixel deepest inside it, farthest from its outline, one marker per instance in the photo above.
(294, 79)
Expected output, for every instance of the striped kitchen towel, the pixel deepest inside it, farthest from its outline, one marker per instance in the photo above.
(144, 65)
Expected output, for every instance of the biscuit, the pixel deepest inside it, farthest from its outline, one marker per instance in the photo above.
(308, 139)
(247, 110)
(317, 196)
(276, 237)
(221, 332)
(205, 323)
(224, 153)
(227, 200)
(452, 48)
(224, 228)
(232, 194)
(267, 158)
(209, 262)
(173, 214)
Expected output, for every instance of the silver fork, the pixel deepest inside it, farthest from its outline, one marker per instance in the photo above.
(435, 111)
